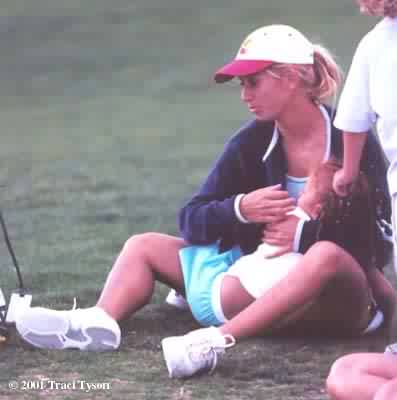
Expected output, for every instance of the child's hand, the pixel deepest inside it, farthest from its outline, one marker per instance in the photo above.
(281, 234)
(343, 183)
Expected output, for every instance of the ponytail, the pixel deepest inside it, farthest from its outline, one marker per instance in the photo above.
(323, 79)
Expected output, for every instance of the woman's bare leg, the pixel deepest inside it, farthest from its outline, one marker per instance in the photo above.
(144, 259)
(325, 277)
(361, 375)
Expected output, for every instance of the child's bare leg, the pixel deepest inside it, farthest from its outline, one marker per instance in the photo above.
(326, 276)
(326, 288)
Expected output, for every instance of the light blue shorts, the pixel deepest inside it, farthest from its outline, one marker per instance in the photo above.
(201, 266)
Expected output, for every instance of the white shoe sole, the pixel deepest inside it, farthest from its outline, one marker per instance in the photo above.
(50, 329)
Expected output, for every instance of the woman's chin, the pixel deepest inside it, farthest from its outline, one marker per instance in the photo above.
(262, 117)
(257, 114)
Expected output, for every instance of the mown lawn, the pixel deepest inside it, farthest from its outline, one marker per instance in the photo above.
(109, 122)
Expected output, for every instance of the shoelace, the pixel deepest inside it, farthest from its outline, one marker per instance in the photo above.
(72, 322)
(208, 353)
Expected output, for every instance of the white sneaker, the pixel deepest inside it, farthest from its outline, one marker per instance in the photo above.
(391, 349)
(177, 300)
(90, 329)
(194, 352)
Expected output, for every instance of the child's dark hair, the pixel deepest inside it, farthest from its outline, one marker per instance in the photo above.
(337, 207)
(350, 221)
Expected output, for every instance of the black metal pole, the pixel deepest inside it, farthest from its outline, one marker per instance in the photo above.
(10, 249)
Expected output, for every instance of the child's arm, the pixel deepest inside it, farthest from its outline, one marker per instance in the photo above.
(353, 143)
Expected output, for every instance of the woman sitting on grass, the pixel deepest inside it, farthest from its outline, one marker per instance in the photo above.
(245, 201)
(342, 221)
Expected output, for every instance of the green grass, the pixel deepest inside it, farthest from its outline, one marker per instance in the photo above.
(110, 121)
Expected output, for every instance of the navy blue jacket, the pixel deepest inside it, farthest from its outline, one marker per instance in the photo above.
(209, 216)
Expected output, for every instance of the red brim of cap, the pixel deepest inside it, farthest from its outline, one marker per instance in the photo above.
(240, 68)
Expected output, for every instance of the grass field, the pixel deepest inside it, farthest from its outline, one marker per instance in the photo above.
(109, 122)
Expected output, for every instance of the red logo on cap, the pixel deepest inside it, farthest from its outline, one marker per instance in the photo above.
(245, 46)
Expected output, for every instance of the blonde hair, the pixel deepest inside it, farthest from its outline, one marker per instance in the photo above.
(379, 8)
(321, 80)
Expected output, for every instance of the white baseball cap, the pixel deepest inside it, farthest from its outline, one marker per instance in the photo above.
(265, 46)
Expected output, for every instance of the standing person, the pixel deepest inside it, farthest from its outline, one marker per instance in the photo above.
(370, 97)
(245, 199)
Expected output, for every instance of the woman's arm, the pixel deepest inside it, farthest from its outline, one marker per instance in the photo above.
(211, 214)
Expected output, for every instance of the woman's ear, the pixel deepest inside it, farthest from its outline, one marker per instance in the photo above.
(291, 76)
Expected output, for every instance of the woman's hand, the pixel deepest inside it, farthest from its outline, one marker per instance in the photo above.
(266, 205)
(281, 234)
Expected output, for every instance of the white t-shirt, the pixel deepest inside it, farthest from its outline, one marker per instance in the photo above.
(369, 96)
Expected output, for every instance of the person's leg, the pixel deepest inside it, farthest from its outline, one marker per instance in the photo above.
(360, 376)
(318, 291)
(320, 288)
(388, 391)
(143, 260)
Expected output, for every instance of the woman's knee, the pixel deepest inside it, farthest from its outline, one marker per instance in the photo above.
(141, 241)
(159, 252)
(150, 244)
(139, 245)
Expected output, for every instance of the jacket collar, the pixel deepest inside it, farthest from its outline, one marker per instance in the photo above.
(276, 136)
